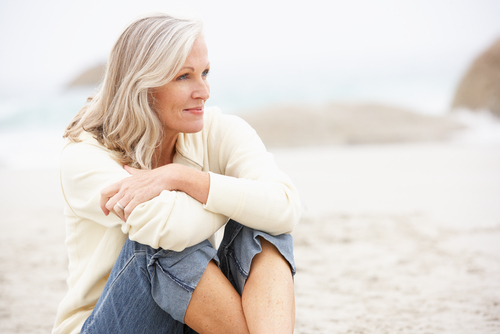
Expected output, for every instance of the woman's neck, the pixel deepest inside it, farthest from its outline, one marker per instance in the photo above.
(164, 154)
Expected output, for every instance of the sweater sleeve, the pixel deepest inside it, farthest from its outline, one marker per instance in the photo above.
(173, 220)
(250, 187)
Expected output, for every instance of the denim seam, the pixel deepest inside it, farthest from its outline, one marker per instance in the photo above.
(156, 256)
(176, 280)
(133, 257)
(235, 233)
(233, 236)
(238, 264)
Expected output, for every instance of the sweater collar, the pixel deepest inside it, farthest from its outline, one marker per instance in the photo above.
(188, 152)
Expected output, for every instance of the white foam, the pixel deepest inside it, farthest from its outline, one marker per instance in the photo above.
(482, 127)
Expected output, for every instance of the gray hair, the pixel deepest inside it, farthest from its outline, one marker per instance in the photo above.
(148, 54)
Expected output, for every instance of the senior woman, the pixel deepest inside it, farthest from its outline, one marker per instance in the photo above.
(149, 175)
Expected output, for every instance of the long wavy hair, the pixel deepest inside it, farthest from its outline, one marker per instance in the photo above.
(121, 116)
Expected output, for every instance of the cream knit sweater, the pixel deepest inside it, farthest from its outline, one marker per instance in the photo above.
(245, 185)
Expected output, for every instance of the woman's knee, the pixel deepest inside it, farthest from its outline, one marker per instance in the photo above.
(175, 275)
(241, 244)
(270, 259)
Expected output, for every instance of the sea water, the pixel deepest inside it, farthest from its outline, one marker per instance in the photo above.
(31, 127)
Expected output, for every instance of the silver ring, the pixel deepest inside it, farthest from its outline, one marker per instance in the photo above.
(120, 206)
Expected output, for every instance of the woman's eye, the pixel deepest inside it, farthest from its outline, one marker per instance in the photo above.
(182, 77)
(205, 73)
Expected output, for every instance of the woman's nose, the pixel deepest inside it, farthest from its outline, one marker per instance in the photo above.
(202, 91)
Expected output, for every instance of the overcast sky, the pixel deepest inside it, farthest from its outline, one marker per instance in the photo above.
(44, 44)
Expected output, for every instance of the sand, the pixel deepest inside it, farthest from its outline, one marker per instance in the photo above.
(395, 238)
(398, 239)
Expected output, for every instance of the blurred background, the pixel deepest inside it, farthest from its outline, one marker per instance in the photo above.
(408, 54)
(393, 238)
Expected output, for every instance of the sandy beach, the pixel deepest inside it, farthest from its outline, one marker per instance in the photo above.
(397, 236)
(398, 239)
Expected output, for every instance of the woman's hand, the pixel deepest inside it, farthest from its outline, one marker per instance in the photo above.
(140, 187)
(144, 185)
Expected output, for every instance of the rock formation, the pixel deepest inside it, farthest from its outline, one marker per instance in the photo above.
(480, 87)
(338, 123)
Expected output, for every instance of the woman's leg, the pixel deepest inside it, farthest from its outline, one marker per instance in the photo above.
(267, 304)
(261, 268)
(215, 306)
(127, 305)
(149, 290)
(268, 296)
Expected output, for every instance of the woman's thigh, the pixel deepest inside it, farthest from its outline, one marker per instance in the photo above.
(149, 290)
(239, 246)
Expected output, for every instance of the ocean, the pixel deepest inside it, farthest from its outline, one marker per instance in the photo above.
(31, 128)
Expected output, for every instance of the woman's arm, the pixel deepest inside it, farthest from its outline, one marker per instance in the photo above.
(144, 185)
(246, 184)
(172, 220)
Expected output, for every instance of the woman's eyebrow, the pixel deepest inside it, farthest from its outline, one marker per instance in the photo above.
(192, 68)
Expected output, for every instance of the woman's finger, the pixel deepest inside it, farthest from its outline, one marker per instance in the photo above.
(110, 205)
(130, 207)
(119, 204)
(119, 211)
(102, 204)
(123, 202)
(106, 194)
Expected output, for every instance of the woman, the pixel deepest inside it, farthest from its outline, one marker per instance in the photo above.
(149, 175)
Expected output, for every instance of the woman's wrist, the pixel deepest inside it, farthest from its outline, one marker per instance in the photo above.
(193, 182)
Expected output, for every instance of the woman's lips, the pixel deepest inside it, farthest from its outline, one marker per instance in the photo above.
(196, 110)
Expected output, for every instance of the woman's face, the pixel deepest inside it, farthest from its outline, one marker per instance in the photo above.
(180, 102)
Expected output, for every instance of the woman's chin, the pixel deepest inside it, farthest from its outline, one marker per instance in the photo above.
(195, 126)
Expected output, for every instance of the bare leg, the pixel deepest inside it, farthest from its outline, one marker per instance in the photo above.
(268, 296)
(215, 306)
